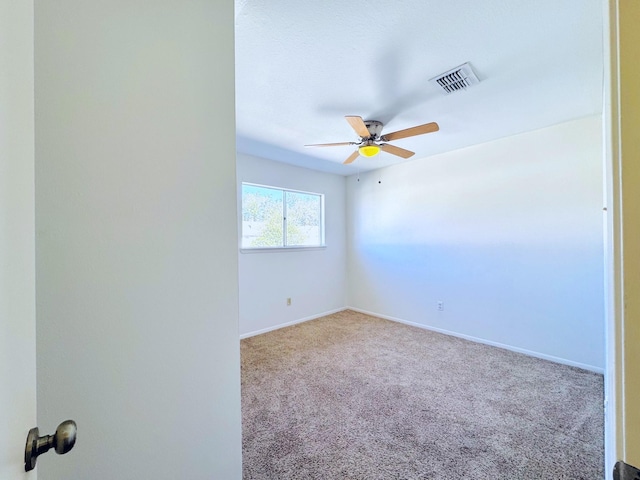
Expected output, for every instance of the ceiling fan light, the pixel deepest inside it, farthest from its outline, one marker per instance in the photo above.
(369, 150)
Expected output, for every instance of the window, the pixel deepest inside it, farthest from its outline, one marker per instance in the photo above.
(278, 218)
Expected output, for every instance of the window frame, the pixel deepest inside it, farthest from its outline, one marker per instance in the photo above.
(283, 247)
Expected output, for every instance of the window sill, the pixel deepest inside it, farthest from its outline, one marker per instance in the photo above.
(281, 249)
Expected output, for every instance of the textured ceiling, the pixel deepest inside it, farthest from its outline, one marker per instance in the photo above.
(302, 65)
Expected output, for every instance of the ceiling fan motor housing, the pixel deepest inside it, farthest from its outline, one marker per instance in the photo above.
(374, 127)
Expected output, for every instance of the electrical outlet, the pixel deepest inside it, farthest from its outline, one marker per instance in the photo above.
(288, 302)
(440, 305)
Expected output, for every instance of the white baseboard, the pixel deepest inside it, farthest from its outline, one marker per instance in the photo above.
(543, 356)
(294, 322)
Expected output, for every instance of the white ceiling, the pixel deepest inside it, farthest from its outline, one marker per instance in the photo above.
(301, 65)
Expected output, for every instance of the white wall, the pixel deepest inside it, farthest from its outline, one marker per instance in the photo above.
(137, 297)
(315, 279)
(508, 234)
(17, 238)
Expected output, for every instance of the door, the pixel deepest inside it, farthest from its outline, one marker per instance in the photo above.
(623, 121)
(133, 157)
(136, 243)
(17, 260)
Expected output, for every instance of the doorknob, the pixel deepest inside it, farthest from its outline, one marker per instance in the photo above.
(62, 441)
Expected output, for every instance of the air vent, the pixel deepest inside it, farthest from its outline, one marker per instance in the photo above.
(458, 78)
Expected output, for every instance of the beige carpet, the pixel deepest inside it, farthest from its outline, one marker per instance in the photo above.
(350, 396)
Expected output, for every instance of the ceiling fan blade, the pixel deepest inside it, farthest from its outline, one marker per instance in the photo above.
(351, 158)
(411, 132)
(358, 125)
(330, 144)
(400, 152)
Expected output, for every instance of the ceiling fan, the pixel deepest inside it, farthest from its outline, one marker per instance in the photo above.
(371, 140)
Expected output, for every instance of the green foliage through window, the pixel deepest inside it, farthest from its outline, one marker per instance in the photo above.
(275, 217)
